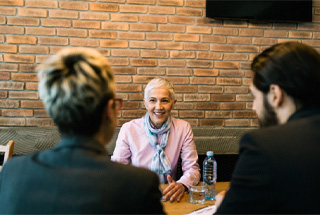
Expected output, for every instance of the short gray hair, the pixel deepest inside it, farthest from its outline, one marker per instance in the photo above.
(157, 83)
(75, 86)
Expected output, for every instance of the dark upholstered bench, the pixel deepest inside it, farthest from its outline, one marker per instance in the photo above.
(224, 142)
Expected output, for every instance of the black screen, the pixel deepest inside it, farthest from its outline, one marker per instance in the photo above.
(282, 10)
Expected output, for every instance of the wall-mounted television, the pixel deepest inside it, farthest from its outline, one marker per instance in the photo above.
(281, 10)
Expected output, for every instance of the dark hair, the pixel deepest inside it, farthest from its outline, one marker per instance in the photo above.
(294, 67)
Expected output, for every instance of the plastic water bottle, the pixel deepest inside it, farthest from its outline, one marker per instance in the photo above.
(210, 175)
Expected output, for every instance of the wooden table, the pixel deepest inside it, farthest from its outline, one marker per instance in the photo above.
(184, 206)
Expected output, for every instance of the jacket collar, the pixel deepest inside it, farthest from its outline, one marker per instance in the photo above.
(305, 112)
(83, 142)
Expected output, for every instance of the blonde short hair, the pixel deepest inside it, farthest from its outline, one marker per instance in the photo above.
(75, 86)
(157, 83)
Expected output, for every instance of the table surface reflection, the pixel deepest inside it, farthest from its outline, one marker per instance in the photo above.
(184, 206)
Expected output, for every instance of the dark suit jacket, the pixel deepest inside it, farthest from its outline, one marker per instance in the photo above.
(76, 177)
(278, 170)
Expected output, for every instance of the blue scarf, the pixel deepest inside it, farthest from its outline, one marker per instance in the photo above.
(160, 162)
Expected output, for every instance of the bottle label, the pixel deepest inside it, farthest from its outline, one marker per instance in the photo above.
(210, 172)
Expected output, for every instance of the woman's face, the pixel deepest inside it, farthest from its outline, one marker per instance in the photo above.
(159, 105)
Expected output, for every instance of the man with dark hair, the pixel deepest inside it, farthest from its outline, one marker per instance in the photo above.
(278, 166)
(77, 177)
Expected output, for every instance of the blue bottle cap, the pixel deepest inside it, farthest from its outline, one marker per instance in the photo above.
(209, 153)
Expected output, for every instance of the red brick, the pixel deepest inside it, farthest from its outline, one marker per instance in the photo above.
(74, 5)
(172, 63)
(237, 122)
(9, 85)
(186, 37)
(94, 16)
(2, 20)
(133, 113)
(42, 3)
(178, 80)
(56, 22)
(264, 25)
(222, 97)
(242, 89)
(222, 48)
(181, 20)
(133, 9)
(200, 63)
(189, 12)
(27, 67)
(254, 122)
(238, 40)
(195, 3)
(123, 79)
(207, 106)
(151, 71)
(72, 32)
(284, 25)
(12, 122)
(114, 43)
(244, 114)
(143, 27)
(24, 77)
(225, 31)
(251, 32)
(86, 24)
(21, 39)
(153, 19)
(39, 122)
(11, 30)
(273, 33)
(128, 88)
(196, 46)
(104, 7)
(9, 67)
(211, 122)
(131, 36)
(53, 41)
(124, 70)
(12, 2)
(263, 41)
(228, 81)
(162, 10)
(209, 55)
(206, 72)
(115, 26)
(170, 2)
(179, 71)
(32, 12)
(154, 53)
(308, 26)
(226, 65)
(142, 44)
(23, 21)
(34, 49)
(9, 103)
(218, 114)
(32, 104)
(171, 28)
(143, 62)
(198, 30)
(5, 76)
(244, 98)
(183, 106)
(130, 105)
(196, 97)
(191, 114)
(202, 80)
(182, 54)
(136, 96)
(159, 36)
(150, 2)
(102, 34)
(235, 56)
(32, 86)
(235, 23)
(247, 49)
(8, 48)
(40, 31)
(8, 11)
(40, 113)
(124, 53)
(300, 34)
(118, 61)
(170, 45)
(232, 106)
(124, 17)
(185, 89)
(208, 22)
(3, 95)
(111, 1)
(213, 39)
(17, 58)
(142, 79)
(23, 95)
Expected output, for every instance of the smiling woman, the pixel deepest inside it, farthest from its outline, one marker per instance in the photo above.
(157, 140)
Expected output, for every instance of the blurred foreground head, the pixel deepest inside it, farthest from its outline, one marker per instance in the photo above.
(75, 86)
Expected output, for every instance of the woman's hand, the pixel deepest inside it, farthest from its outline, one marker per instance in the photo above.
(219, 198)
(174, 191)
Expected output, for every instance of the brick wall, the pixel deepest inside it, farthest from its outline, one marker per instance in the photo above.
(207, 60)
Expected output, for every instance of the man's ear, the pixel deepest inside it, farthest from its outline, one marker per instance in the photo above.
(109, 110)
(276, 96)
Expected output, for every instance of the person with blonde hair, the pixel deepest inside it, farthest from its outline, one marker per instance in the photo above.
(157, 140)
(77, 176)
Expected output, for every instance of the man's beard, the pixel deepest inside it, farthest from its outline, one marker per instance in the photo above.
(269, 117)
